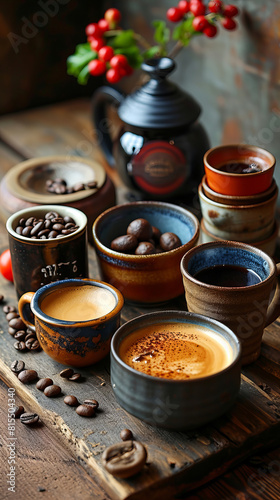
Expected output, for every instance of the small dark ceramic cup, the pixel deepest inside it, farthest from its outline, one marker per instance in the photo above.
(38, 262)
(74, 343)
(246, 310)
(175, 404)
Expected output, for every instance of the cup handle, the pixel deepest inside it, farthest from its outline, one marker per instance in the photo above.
(274, 307)
(25, 311)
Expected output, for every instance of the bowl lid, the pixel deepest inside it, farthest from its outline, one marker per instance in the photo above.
(27, 180)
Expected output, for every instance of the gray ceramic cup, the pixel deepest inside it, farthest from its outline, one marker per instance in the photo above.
(37, 262)
(175, 404)
(246, 310)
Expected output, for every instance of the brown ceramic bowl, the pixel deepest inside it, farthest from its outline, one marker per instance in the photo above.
(232, 182)
(24, 186)
(144, 279)
(238, 200)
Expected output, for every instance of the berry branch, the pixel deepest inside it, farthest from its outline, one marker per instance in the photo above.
(115, 52)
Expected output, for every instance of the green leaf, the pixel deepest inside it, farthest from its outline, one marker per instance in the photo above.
(124, 39)
(152, 52)
(77, 63)
(133, 54)
(185, 31)
(162, 33)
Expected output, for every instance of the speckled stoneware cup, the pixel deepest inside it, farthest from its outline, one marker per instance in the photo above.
(74, 343)
(144, 279)
(37, 262)
(175, 404)
(246, 310)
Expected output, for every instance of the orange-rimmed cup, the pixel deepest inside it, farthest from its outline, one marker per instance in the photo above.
(222, 165)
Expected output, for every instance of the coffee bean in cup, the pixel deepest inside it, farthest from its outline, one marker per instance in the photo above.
(144, 239)
(59, 186)
(51, 226)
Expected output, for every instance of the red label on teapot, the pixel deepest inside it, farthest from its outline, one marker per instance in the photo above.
(159, 168)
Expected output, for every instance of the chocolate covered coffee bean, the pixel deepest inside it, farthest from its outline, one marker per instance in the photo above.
(169, 241)
(140, 228)
(125, 244)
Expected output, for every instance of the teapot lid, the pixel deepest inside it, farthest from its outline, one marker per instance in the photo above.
(159, 104)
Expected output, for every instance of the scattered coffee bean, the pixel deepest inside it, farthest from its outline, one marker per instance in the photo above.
(7, 309)
(12, 315)
(12, 331)
(32, 344)
(126, 435)
(67, 372)
(126, 243)
(30, 335)
(17, 324)
(27, 376)
(91, 402)
(85, 411)
(52, 391)
(140, 228)
(124, 459)
(51, 226)
(19, 345)
(20, 335)
(75, 377)
(71, 400)
(29, 418)
(145, 248)
(43, 383)
(17, 366)
(169, 241)
(19, 410)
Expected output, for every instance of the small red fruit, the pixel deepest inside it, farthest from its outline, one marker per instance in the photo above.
(97, 43)
(197, 8)
(184, 6)
(174, 14)
(96, 67)
(210, 31)
(103, 25)
(215, 6)
(6, 265)
(106, 53)
(113, 75)
(119, 61)
(200, 23)
(228, 23)
(230, 11)
(113, 16)
(93, 30)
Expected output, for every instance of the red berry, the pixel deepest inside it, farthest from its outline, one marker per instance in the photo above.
(230, 11)
(113, 16)
(174, 14)
(184, 6)
(197, 8)
(228, 23)
(210, 31)
(113, 75)
(215, 6)
(119, 61)
(106, 53)
(6, 265)
(96, 67)
(200, 23)
(93, 30)
(103, 25)
(97, 43)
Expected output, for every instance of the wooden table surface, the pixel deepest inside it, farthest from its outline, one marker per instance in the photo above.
(48, 465)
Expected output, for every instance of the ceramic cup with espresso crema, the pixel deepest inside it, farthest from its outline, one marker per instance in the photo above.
(74, 319)
(176, 351)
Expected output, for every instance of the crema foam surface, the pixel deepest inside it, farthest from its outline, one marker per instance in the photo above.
(176, 351)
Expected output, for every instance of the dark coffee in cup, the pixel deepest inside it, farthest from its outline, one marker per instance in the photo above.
(228, 276)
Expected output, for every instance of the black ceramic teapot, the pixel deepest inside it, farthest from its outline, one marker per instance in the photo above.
(159, 150)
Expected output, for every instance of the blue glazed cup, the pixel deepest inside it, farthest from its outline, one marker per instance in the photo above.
(175, 404)
(75, 343)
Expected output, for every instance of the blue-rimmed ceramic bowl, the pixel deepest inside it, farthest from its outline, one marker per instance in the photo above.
(74, 343)
(144, 279)
(175, 404)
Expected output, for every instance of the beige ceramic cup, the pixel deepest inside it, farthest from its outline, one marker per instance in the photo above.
(246, 310)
